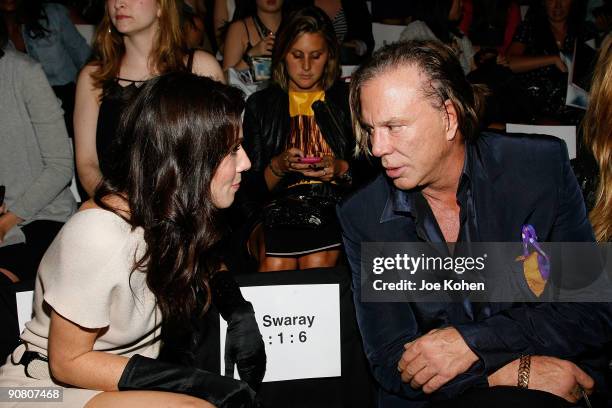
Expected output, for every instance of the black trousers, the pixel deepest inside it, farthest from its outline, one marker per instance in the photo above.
(23, 259)
(507, 397)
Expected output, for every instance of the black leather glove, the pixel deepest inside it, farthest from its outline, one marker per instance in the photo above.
(244, 345)
(143, 373)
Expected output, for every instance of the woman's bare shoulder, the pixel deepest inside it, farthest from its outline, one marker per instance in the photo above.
(87, 71)
(206, 64)
(86, 82)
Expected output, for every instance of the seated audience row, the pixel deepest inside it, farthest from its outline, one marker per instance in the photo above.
(256, 22)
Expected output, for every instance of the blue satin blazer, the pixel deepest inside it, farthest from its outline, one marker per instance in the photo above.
(515, 180)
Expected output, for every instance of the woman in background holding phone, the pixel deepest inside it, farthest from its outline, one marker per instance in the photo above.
(298, 135)
(252, 33)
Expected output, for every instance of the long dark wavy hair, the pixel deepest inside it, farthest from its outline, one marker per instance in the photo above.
(171, 140)
(31, 14)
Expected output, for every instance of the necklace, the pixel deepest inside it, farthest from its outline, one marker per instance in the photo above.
(261, 27)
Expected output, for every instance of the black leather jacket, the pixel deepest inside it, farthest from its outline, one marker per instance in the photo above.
(266, 128)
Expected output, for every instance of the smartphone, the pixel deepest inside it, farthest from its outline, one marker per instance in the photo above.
(310, 159)
(2, 191)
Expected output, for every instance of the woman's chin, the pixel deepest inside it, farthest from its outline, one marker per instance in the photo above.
(305, 86)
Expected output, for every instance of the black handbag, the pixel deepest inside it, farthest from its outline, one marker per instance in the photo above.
(304, 206)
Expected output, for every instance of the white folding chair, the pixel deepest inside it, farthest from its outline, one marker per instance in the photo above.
(386, 34)
(24, 307)
(566, 133)
(87, 31)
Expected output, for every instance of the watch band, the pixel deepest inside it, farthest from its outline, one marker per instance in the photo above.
(523, 372)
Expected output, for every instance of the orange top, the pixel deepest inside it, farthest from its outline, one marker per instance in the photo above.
(304, 133)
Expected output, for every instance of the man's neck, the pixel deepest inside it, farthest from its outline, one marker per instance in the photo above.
(442, 194)
(444, 188)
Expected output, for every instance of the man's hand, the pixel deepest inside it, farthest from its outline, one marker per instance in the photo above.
(559, 377)
(435, 358)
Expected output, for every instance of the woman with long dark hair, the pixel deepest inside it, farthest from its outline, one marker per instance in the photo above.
(134, 42)
(298, 134)
(252, 32)
(550, 27)
(138, 255)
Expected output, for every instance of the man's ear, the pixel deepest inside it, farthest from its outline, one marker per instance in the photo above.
(452, 121)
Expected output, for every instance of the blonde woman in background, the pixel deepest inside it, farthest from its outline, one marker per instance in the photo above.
(597, 128)
(136, 41)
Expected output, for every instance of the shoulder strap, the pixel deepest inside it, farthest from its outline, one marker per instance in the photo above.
(247, 31)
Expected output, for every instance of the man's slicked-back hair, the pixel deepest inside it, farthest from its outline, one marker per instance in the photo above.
(444, 81)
